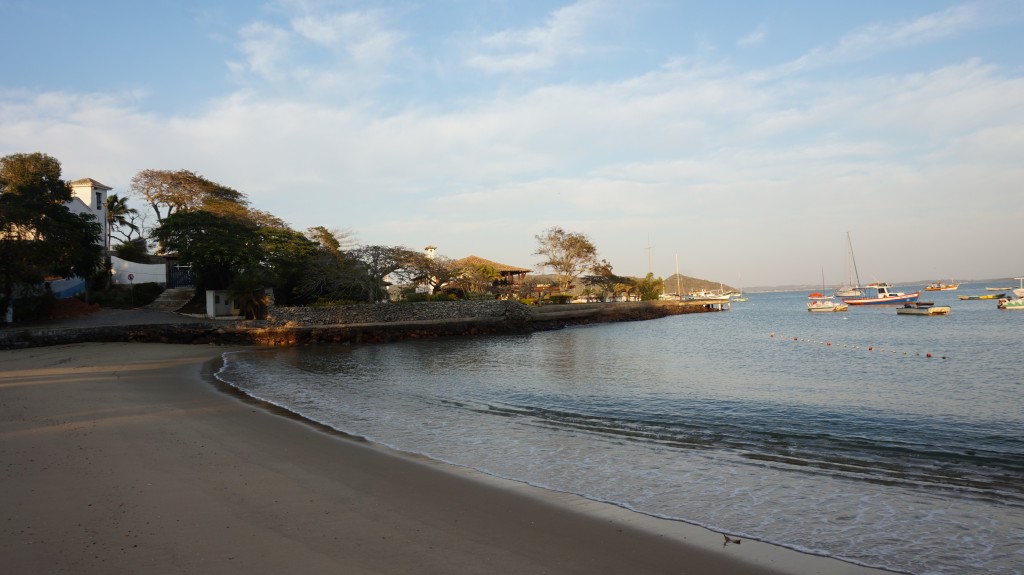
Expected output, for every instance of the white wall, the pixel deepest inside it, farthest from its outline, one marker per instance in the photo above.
(144, 273)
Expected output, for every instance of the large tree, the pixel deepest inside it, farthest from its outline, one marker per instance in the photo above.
(434, 271)
(376, 263)
(168, 192)
(39, 235)
(217, 247)
(568, 253)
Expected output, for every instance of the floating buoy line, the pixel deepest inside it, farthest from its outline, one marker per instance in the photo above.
(870, 348)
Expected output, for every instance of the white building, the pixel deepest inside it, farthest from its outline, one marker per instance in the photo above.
(90, 197)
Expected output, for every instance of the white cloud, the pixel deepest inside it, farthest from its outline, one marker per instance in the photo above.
(266, 50)
(562, 36)
(755, 38)
(361, 36)
(879, 38)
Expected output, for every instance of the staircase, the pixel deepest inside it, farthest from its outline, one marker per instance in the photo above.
(172, 299)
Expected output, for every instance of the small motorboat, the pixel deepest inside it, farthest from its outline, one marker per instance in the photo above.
(1016, 301)
(983, 296)
(817, 302)
(923, 308)
(939, 286)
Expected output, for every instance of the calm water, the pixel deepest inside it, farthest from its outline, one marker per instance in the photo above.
(765, 421)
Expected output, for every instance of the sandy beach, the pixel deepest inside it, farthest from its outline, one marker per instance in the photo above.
(127, 458)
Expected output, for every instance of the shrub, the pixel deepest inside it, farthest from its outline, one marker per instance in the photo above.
(122, 296)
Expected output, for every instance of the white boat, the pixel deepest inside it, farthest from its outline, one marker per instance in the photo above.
(1016, 302)
(706, 295)
(817, 302)
(851, 289)
(884, 296)
(923, 308)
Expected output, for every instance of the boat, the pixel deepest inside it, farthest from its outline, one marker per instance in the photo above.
(1016, 302)
(851, 289)
(817, 302)
(939, 286)
(922, 308)
(983, 296)
(884, 296)
(999, 288)
(706, 296)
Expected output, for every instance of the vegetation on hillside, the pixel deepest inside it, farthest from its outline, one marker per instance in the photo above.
(230, 245)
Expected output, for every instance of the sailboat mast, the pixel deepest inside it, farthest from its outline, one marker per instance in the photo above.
(853, 260)
(679, 285)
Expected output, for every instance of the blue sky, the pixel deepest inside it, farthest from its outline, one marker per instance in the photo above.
(745, 138)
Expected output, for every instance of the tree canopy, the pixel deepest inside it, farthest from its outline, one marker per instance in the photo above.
(568, 253)
(168, 192)
(39, 235)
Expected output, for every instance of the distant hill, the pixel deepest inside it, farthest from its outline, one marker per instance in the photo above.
(688, 284)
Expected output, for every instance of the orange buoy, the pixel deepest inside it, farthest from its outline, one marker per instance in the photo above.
(927, 355)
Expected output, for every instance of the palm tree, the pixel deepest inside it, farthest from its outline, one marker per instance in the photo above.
(118, 214)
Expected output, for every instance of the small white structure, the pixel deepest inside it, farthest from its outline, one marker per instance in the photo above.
(220, 304)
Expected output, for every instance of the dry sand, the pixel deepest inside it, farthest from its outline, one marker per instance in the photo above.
(125, 458)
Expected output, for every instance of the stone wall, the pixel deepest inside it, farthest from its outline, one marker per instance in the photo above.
(403, 312)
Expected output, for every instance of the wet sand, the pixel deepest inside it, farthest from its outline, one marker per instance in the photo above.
(126, 458)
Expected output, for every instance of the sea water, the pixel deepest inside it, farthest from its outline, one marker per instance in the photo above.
(884, 440)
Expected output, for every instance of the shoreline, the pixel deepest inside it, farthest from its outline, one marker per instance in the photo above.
(131, 456)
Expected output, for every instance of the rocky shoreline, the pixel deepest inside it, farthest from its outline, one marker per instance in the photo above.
(287, 329)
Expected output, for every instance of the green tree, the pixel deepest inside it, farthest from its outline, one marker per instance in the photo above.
(376, 263)
(568, 253)
(433, 271)
(287, 254)
(604, 283)
(39, 235)
(217, 247)
(650, 287)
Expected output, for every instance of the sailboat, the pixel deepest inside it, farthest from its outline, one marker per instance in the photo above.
(818, 302)
(851, 289)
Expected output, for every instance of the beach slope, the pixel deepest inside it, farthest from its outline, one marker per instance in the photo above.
(124, 458)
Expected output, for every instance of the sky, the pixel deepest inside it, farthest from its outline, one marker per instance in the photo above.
(736, 141)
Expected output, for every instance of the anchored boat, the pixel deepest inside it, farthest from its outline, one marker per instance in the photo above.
(883, 296)
(1014, 302)
(923, 308)
(985, 296)
(817, 302)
